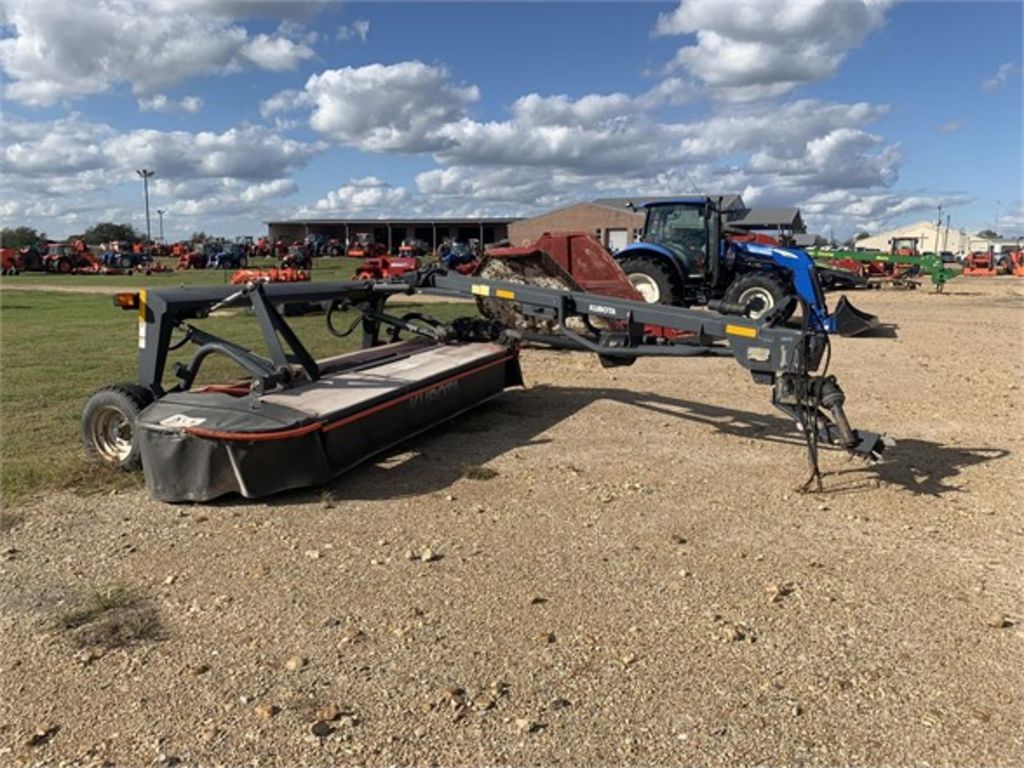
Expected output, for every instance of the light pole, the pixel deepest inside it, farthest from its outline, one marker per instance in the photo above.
(146, 175)
(160, 212)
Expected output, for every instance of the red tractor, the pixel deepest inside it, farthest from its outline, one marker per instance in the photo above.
(297, 257)
(363, 246)
(413, 249)
(67, 258)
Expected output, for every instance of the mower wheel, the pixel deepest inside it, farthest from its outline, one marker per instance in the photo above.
(651, 279)
(64, 266)
(108, 425)
(758, 292)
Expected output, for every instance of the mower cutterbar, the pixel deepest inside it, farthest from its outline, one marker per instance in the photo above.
(295, 421)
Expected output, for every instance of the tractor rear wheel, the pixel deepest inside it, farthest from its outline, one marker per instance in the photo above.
(758, 293)
(108, 425)
(652, 280)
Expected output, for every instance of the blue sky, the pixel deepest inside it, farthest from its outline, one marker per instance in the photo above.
(864, 113)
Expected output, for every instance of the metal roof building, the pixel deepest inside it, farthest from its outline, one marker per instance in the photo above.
(392, 231)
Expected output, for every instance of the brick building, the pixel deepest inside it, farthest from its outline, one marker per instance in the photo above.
(610, 220)
(615, 226)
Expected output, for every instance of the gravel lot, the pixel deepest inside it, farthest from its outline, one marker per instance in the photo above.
(635, 580)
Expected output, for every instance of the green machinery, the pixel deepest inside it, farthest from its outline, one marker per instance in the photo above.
(899, 267)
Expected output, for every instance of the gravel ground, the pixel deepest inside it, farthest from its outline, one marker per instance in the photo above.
(604, 568)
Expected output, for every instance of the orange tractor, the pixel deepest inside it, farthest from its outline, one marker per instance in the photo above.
(1017, 263)
(980, 264)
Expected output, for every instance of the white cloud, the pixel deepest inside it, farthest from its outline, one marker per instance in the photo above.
(851, 211)
(277, 54)
(843, 158)
(284, 101)
(951, 126)
(1000, 78)
(755, 49)
(55, 51)
(383, 108)
(67, 146)
(73, 170)
(357, 30)
(248, 152)
(161, 103)
(1010, 221)
(360, 195)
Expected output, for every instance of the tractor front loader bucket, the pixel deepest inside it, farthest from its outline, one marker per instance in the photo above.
(850, 321)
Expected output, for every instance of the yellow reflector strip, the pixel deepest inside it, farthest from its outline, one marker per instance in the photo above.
(142, 305)
(503, 294)
(481, 290)
(741, 330)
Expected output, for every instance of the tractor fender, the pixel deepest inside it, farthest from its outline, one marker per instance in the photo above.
(656, 252)
(794, 264)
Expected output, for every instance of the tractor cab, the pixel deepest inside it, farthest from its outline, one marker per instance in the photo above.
(904, 246)
(682, 227)
(677, 257)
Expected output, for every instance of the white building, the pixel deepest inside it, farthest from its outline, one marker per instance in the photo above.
(934, 239)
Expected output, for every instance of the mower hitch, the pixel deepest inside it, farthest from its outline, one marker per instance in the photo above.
(816, 404)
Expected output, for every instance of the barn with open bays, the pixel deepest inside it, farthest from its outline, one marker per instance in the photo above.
(393, 231)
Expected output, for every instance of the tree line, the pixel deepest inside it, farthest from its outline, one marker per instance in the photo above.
(105, 232)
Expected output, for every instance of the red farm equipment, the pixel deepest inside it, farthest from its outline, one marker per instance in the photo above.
(297, 257)
(271, 275)
(1017, 263)
(980, 264)
(386, 267)
(362, 246)
(10, 260)
(67, 258)
(413, 249)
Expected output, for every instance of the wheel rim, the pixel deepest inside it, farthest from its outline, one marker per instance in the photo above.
(646, 286)
(111, 434)
(758, 301)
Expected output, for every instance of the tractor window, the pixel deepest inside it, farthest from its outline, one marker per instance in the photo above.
(681, 228)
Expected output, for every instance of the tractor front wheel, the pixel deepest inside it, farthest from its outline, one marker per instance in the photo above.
(64, 266)
(652, 280)
(108, 425)
(758, 293)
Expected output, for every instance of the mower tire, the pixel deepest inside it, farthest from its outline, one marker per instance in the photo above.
(65, 267)
(652, 279)
(108, 425)
(759, 293)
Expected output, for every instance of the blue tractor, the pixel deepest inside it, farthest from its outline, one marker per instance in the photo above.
(686, 258)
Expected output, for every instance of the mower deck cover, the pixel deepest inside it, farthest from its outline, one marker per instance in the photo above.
(200, 444)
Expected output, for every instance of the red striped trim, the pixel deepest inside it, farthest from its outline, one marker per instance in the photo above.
(255, 437)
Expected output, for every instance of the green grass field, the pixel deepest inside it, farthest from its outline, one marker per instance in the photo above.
(57, 348)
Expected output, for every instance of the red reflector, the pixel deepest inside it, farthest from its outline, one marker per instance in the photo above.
(126, 300)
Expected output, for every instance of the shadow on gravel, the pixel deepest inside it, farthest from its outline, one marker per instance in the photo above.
(434, 461)
(925, 468)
